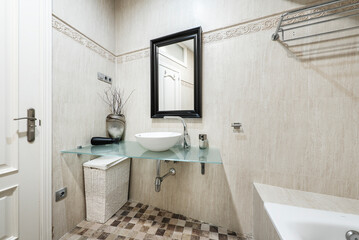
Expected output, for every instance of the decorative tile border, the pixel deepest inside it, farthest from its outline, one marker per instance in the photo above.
(71, 32)
(239, 30)
(213, 36)
(209, 37)
(143, 53)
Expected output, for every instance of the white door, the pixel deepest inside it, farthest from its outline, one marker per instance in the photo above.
(169, 88)
(20, 74)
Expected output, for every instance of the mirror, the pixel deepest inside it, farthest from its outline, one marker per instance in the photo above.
(176, 75)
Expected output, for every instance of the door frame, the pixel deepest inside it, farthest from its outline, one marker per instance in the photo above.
(46, 119)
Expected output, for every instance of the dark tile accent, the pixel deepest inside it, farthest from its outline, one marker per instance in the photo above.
(103, 235)
(138, 215)
(129, 226)
(179, 229)
(120, 237)
(115, 223)
(171, 227)
(188, 224)
(231, 233)
(151, 217)
(182, 217)
(124, 213)
(129, 209)
(156, 209)
(222, 237)
(166, 220)
(175, 215)
(127, 219)
(139, 205)
(213, 229)
(160, 232)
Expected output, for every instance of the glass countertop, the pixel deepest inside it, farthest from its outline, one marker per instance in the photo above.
(132, 149)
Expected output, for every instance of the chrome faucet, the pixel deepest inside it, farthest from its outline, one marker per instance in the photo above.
(186, 138)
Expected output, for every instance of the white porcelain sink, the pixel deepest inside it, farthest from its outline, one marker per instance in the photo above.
(158, 141)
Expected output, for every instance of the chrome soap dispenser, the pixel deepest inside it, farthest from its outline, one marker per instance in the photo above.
(203, 142)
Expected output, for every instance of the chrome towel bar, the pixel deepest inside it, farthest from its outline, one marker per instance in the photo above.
(310, 15)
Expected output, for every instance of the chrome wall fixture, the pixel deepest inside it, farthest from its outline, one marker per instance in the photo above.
(236, 126)
(315, 15)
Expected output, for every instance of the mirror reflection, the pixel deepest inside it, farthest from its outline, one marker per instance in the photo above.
(176, 76)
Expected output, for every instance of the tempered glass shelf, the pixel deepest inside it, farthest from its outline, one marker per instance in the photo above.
(132, 149)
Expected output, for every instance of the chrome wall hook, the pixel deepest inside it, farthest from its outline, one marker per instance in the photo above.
(236, 126)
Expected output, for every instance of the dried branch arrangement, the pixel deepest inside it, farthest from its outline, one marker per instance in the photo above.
(114, 98)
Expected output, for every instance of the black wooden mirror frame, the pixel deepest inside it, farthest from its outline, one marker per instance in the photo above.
(196, 35)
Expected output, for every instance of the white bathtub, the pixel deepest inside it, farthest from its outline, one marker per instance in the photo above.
(296, 223)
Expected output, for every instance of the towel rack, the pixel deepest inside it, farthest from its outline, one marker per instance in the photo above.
(314, 15)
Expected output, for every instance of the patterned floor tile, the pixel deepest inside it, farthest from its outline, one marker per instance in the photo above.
(136, 221)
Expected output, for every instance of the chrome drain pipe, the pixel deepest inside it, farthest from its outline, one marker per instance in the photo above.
(159, 179)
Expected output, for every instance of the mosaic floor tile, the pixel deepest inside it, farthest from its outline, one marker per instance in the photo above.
(136, 221)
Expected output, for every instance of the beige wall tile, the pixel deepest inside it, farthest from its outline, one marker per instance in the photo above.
(299, 116)
(78, 115)
(94, 18)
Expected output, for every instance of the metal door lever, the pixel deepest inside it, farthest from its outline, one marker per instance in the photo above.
(27, 118)
(30, 124)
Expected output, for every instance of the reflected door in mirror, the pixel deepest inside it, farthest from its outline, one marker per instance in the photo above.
(176, 76)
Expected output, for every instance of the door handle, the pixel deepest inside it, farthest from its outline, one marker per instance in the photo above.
(30, 124)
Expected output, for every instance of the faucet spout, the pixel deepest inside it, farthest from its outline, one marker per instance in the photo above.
(186, 137)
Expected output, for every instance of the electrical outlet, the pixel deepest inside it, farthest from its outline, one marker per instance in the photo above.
(104, 78)
(61, 194)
